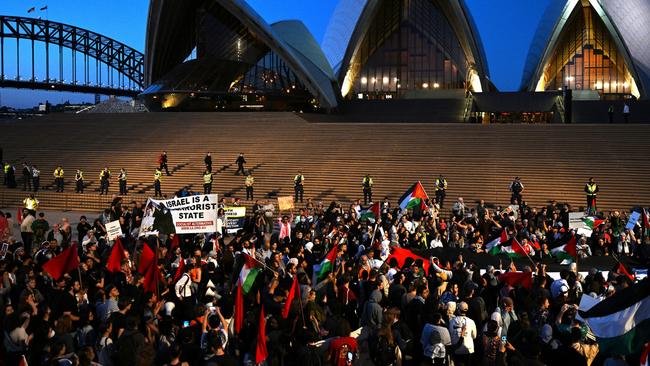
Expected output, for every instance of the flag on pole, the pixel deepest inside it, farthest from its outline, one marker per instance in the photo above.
(497, 241)
(239, 309)
(151, 277)
(261, 352)
(114, 263)
(248, 273)
(371, 212)
(63, 263)
(413, 197)
(593, 222)
(295, 289)
(146, 258)
(567, 251)
(31, 10)
(621, 322)
(621, 270)
(514, 250)
(327, 265)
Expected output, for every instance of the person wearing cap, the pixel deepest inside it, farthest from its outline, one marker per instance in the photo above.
(462, 328)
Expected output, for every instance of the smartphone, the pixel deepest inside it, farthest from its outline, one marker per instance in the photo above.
(186, 324)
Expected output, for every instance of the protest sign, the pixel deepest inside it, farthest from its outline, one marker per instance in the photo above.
(285, 203)
(235, 218)
(182, 215)
(113, 229)
(634, 218)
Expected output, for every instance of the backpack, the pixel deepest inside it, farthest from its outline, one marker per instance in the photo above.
(381, 352)
(439, 354)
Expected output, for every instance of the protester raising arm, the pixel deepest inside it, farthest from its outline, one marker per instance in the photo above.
(437, 269)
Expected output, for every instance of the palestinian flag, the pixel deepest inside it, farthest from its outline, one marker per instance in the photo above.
(593, 222)
(327, 265)
(621, 322)
(501, 239)
(514, 250)
(567, 251)
(401, 255)
(413, 197)
(248, 273)
(525, 279)
(371, 212)
(622, 271)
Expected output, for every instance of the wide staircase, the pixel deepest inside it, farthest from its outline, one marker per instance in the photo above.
(478, 161)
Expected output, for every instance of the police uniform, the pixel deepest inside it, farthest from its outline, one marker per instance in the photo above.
(122, 179)
(591, 190)
(157, 176)
(5, 170)
(31, 204)
(441, 190)
(207, 182)
(59, 179)
(104, 177)
(367, 189)
(249, 187)
(79, 179)
(298, 188)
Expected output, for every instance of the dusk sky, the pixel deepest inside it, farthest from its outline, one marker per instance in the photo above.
(506, 27)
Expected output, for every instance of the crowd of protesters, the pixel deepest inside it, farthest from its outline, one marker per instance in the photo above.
(456, 313)
(367, 310)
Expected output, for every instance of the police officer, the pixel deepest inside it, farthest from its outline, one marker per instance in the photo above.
(5, 169)
(516, 187)
(367, 189)
(122, 180)
(163, 162)
(240, 164)
(157, 176)
(207, 181)
(36, 178)
(298, 188)
(79, 179)
(31, 204)
(208, 162)
(59, 178)
(441, 190)
(591, 190)
(250, 181)
(104, 180)
(27, 177)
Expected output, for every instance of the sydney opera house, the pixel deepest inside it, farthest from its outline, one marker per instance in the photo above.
(222, 55)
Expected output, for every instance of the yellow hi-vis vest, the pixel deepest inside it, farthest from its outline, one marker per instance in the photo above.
(58, 173)
(249, 181)
(79, 176)
(30, 203)
(157, 175)
(207, 178)
(367, 182)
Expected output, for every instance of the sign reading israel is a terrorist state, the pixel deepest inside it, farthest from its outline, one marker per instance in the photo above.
(183, 215)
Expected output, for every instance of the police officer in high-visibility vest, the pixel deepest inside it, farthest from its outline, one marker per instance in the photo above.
(79, 180)
(5, 170)
(367, 189)
(298, 186)
(31, 204)
(441, 190)
(122, 180)
(104, 180)
(157, 176)
(59, 178)
(250, 181)
(591, 190)
(207, 182)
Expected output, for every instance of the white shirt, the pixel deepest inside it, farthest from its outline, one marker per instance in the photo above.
(455, 328)
(183, 287)
(556, 285)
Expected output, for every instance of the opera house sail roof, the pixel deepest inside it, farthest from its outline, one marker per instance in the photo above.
(591, 45)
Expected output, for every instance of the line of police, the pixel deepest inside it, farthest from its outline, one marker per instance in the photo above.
(31, 178)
